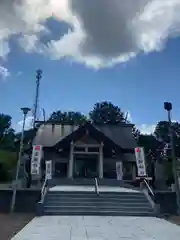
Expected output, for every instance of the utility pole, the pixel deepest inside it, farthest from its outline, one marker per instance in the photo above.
(44, 115)
(38, 78)
(25, 112)
(168, 108)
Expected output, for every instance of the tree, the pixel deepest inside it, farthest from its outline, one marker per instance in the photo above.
(150, 144)
(154, 160)
(106, 113)
(29, 135)
(162, 131)
(136, 133)
(162, 134)
(68, 117)
(8, 156)
(6, 132)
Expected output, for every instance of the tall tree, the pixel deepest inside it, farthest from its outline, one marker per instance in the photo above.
(162, 134)
(28, 138)
(6, 132)
(68, 117)
(7, 156)
(162, 131)
(136, 133)
(106, 113)
(154, 160)
(151, 145)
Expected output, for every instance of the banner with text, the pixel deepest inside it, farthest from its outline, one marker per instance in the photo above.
(140, 161)
(36, 159)
(49, 169)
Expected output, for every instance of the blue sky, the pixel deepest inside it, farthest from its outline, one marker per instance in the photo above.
(75, 75)
(139, 86)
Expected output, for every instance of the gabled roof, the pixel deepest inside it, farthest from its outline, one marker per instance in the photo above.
(50, 134)
(93, 132)
(119, 134)
(55, 135)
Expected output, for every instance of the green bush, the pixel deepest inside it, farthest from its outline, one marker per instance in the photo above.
(4, 174)
(8, 162)
(8, 159)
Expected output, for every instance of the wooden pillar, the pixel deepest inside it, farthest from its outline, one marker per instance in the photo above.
(101, 161)
(53, 167)
(71, 161)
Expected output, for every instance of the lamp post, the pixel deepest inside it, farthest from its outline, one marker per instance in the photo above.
(25, 112)
(168, 108)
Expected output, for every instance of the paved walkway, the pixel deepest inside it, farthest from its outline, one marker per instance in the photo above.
(98, 228)
(91, 189)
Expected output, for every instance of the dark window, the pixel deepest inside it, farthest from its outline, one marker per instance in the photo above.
(93, 149)
(79, 149)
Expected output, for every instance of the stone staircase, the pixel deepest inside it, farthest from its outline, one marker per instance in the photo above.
(102, 204)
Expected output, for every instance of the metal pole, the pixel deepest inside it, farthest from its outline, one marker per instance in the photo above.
(174, 162)
(44, 115)
(18, 165)
(38, 78)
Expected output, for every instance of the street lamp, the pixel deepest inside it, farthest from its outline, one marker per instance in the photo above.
(168, 108)
(25, 112)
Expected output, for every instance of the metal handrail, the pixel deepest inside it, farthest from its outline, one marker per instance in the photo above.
(96, 186)
(149, 188)
(44, 190)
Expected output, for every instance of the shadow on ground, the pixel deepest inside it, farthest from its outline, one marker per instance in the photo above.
(10, 224)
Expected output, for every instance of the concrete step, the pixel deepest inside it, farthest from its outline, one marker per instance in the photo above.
(89, 203)
(92, 192)
(98, 199)
(89, 182)
(102, 207)
(95, 201)
(101, 194)
(95, 206)
(99, 213)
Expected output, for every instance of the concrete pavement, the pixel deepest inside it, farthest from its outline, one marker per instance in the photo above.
(98, 228)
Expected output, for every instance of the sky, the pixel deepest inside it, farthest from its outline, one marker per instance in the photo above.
(123, 51)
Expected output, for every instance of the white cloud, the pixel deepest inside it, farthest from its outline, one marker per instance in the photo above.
(29, 43)
(28, 123)
(146, 129)
(4, 49)
(4, 72)
(103, 32)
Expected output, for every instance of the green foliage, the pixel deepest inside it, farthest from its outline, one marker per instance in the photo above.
(136, 133)
(102, 113)
(8, 162)
(106, 113)
(68, 117)
(6, 132)
(5, 124)
(28, 137)
(4, 174)
(162, 131)
(149, 143)
(8, 159)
